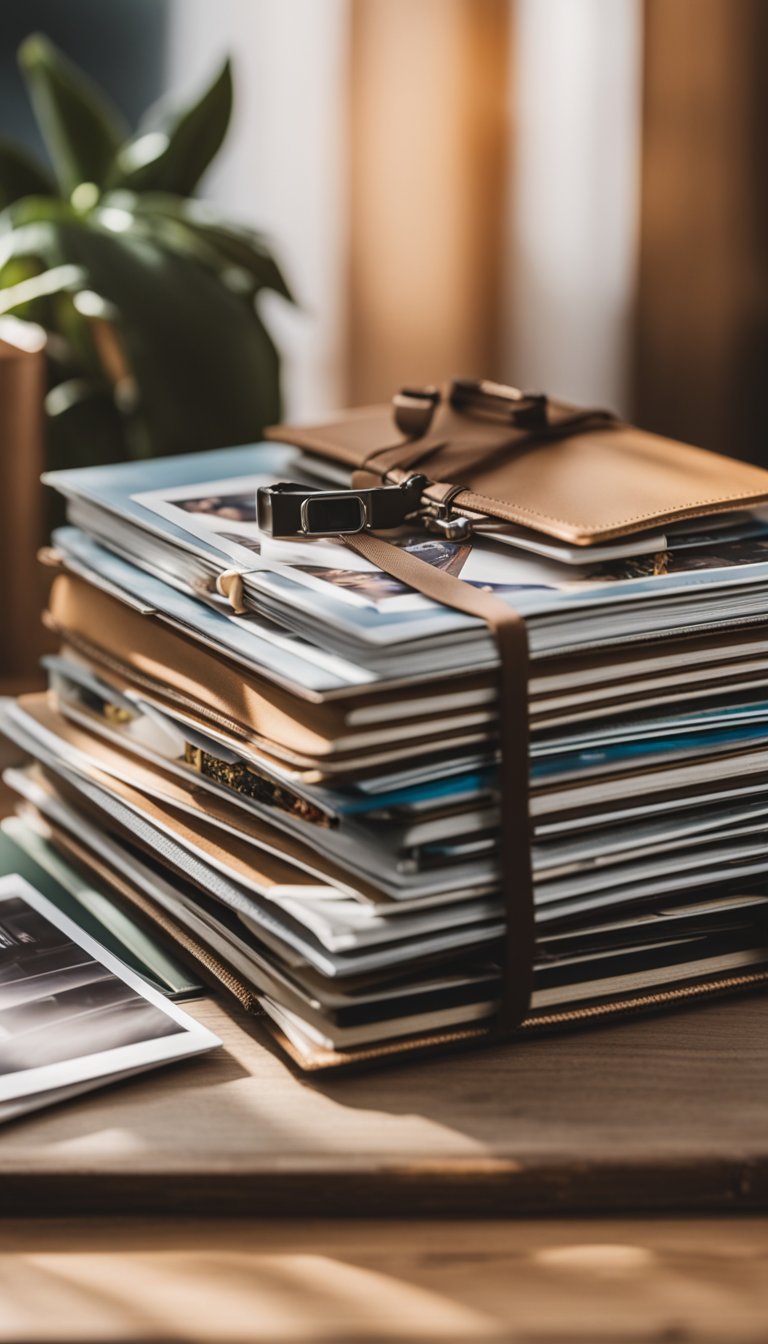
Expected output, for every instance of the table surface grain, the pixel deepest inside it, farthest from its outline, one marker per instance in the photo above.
(661, 1113)
(529, 1282)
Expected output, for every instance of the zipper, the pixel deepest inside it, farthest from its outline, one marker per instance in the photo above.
(198, 954)
(623, 1007)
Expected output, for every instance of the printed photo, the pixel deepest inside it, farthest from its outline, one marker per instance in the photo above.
(57, 1002)
(71, 1014)
(752, 551)
(233, 508)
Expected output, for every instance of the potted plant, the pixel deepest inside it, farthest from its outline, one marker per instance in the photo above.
(149, 299)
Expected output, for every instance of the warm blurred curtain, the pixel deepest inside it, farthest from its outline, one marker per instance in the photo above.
(702, 332)
(493, 175)
(427, 165)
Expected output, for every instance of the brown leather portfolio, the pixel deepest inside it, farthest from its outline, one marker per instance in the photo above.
(582, 476)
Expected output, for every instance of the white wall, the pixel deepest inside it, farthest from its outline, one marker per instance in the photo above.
(573, 199)
(283, 168)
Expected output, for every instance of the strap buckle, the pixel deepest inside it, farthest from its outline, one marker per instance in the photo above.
(496, 401)
(450, 526)
(331, 513)
(414, 407)
(290, 510)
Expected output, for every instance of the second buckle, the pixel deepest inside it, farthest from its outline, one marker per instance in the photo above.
(330, 515)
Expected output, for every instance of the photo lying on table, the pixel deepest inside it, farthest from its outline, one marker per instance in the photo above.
(72, 1016)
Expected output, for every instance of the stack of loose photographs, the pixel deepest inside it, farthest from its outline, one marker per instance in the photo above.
(304, 790)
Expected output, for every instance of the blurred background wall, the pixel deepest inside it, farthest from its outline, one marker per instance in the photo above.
(701, 350)
(561, 193)
(122, 44)
(284, 167)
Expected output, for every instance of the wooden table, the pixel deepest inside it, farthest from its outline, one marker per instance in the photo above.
(155, 1202)
(665, 1113)
(672, 1282)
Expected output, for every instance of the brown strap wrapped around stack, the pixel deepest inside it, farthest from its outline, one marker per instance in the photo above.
(511, 637)
(432, 428)
(455, 442)
(484, 454)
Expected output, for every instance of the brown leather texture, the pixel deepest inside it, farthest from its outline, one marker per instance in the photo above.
(584, 478)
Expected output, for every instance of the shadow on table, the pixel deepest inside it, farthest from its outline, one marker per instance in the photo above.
(680, 1077)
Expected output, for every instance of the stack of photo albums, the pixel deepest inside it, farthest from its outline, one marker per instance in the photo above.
(289, 759)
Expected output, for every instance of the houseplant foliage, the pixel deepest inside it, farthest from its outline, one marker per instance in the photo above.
(149, 299)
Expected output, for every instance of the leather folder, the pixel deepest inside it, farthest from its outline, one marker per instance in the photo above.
(579, 475)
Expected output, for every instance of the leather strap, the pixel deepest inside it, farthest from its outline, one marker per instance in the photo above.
(511, 636)
(290, 510)
(458, 442)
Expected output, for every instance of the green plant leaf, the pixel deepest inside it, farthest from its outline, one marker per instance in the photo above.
(81, 128)
(18, 269)
(217, 244)
(171, 233)
(73, 350)
(174, 157)
(32, 208)
(247, 251)
(206, 369)
(36, 241)
(13, 272)
(20, 175)
(53, 281)
(239, 247)
(28, 233)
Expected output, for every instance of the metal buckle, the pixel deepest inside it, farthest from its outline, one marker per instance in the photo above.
(327, 514)
(451, 526)
(290, 510)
